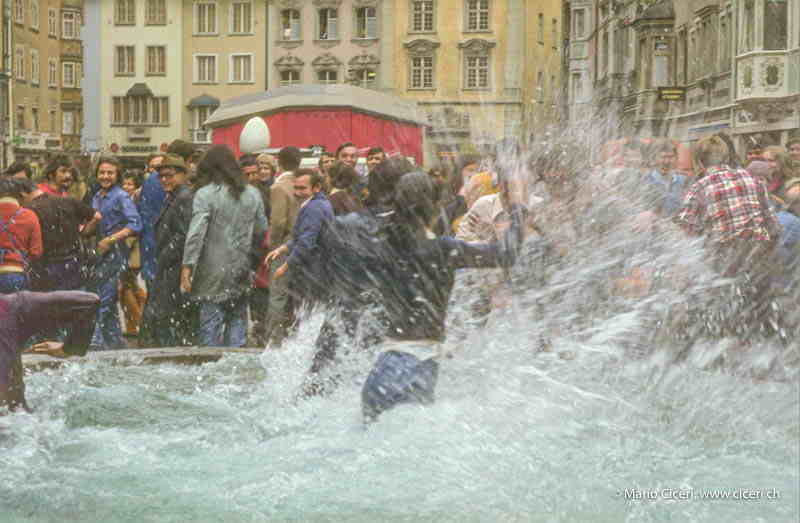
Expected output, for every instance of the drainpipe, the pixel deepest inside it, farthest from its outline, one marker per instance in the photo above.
(266, 45)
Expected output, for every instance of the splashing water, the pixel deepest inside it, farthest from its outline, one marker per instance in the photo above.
(568, 405)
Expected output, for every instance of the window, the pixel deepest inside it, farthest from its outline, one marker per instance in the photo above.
(577, 87)
(35, 14)
(20, 117)
(477, 15)
(156, 60)
(366, 22)
(680, 58)
(52, 22)
(540, 87)
(69, 27)
(68, 122)
(366, 78)
(541, 28)
(124, 63)
(19, 11)
(290, 78)
(290, 24)
(35, 119)
(52, 72)
(327, 77)
(242, 18)
(578, 23)
(140, 110)
(34, 66)
(555, 33)
(724, 43)
(68, 74)
(155, 12)
(477, 72)
(241, 68)
(205, 15)
(776, 18)
(52, 121)
(422, 72)
(328, 24)
(422, 16)
(205, 69)
(19, 59)
(78, 75)
(201, 134)
(125, 12)
(604, 53)
(748, 26)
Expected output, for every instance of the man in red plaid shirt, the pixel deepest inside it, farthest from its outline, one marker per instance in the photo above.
(731, 207)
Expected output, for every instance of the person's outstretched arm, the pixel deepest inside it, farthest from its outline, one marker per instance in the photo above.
(45, 311)
(502, 253)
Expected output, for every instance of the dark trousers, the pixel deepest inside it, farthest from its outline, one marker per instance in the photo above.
(259, 314)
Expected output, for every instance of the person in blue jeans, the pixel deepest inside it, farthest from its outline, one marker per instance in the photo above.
(223, 248)
(20, 238)
(120, 219)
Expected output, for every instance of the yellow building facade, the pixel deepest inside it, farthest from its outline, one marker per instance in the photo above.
(481, 70)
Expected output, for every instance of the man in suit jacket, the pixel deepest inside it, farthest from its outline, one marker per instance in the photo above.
(283, 214)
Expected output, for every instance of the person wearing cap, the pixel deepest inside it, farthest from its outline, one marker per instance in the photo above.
(170, 316)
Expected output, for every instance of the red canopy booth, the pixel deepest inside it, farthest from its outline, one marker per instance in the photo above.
(327, 115)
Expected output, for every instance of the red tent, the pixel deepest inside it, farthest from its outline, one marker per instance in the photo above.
(327, 115)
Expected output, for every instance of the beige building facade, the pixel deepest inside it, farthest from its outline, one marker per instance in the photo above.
(46, 70)
(331, 41)
(224, 55)
(481, 69)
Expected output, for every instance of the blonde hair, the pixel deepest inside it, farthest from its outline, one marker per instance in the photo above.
(709, 151)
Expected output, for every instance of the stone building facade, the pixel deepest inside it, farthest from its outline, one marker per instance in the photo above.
(46, 70)
(481, 69)
(736, 62)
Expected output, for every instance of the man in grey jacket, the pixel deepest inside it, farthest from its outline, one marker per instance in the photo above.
(228, 222)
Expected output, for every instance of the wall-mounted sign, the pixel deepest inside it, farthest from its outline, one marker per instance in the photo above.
(672, 94)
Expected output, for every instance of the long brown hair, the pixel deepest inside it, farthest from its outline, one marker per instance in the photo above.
(219, 166)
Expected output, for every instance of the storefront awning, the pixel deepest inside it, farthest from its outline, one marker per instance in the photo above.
(203, 100)
(140, 89)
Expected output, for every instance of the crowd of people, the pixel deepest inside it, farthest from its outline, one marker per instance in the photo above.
(204, 249)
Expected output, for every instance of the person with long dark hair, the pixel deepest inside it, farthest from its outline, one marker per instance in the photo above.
(227, 228)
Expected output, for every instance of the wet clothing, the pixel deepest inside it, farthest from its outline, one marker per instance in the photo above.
(25, 313)
(220, 241)
(169, 318)
(411, 277)
(670, 188)
(118, 213)
(304, 253)
(60, 220)
(726, 204)
(20, 236)
(150, 204)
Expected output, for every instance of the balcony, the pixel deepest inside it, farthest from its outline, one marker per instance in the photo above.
(200, 135)
(767, 75)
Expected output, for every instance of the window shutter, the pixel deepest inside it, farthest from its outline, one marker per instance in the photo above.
(372, 23)
(333, 25)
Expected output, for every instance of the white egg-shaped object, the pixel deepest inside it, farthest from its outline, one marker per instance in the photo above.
(255, 136)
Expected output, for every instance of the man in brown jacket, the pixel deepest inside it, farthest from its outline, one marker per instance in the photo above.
(284, 211)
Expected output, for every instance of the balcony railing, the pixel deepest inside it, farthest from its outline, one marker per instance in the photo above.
(200, 135)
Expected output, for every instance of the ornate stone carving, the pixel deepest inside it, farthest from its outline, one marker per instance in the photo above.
(365, 3)
(326, 44)
(289, 44)
(289, 63)
(289, 4)
(326, 61)
(332, 4)
(772, 73)
(766, 112)
(421, 46)
(476, 45)
(364, 61)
